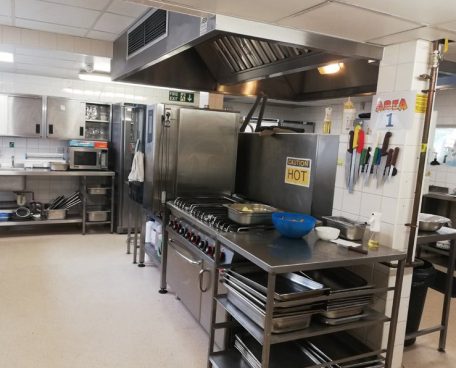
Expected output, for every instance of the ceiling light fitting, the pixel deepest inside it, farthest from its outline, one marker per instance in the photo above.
(330, 68)
(95, 77)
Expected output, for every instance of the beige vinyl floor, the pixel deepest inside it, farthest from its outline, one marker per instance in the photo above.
(72, 301)
(424, 354)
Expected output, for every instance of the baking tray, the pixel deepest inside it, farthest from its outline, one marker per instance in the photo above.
(250, 290)
(97, 190)
(289, 286)
(342, 320)
(338, 279)
(281, 324)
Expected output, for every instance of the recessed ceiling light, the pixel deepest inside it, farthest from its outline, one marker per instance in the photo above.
(95, 77)
(6, 57)
(331, 68)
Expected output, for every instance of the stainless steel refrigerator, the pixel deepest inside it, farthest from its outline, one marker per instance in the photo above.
(188, 151)
(127, 127)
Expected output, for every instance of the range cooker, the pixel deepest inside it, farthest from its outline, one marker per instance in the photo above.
(191, 231)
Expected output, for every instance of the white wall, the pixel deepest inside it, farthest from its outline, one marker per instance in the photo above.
(46, 188)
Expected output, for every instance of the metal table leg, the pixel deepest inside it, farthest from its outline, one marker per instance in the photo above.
(394, 314)
(447, 298)
(129, 209)
(215, 283)
(113, 182)
(142, 241)
(268, 321)
(164, 255)
(84, 204)
(135, 241)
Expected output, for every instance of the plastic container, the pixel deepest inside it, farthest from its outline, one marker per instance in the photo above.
(293, 225)
(327, 232)
(423, 276)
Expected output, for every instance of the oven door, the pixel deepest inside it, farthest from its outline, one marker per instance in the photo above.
(84, 159)
(183, 276)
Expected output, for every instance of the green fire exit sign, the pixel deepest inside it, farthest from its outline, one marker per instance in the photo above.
(181, 96)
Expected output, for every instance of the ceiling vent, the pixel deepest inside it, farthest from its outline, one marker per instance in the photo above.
(150, 29)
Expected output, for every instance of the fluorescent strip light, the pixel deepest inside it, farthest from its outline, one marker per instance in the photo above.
(6, 57)
(95, 77)
(331, 68)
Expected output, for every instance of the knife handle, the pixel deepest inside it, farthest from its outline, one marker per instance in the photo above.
(395, 155)
(356, 135)
(386, 143)
(389, 157)
(350, 141)
(360, 145)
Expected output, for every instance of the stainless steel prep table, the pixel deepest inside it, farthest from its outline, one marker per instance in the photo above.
(276, 255)
(423, 243)
(83, 175)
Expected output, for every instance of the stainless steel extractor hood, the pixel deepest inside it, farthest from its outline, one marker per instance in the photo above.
(234, 56)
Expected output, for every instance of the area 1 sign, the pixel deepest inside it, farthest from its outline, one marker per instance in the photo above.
(394, 110)
(297, 171)
(181, 96)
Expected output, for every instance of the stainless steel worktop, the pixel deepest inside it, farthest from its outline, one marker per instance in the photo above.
(38, 172)
(276, 254)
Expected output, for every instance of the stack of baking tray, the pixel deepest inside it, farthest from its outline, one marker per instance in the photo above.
(309, 352)
(247, 290)
(342, 282)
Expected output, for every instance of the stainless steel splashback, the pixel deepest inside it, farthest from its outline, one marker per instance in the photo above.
(262, 170)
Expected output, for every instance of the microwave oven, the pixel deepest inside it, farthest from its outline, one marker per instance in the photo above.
(85, 158)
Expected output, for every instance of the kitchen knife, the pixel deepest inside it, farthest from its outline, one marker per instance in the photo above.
(370, 165)
(348, 158)
(353, 160)
(362, 161)
(384, 153)
(367, 158)
(393, 163)
(389, 158)
(359, 151)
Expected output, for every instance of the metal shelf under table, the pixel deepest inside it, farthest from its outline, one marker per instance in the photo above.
(70, 220)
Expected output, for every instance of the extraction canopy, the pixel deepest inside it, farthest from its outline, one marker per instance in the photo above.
(234, 56)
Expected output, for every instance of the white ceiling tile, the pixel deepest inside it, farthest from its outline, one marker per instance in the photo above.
(126, 8)
(88, 4)
(55, 13)
(451, 26)
(265, 10)
(113, 23)
(105, 36)
(347, 22)
(424, 33)
(48, 27)
(425, 11)
(5, 7)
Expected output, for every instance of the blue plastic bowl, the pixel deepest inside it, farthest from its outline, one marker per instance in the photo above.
(293, 225)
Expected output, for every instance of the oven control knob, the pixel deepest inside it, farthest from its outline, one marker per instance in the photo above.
(188, 235)
(209, 250)
(202, 244)
(182, 230)
(197, 239)
(222, 256)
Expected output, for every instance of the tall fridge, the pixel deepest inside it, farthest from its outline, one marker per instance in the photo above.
(128, 122)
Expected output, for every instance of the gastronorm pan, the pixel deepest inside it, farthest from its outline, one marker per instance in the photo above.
(349, 229)
(339, 279)
(289, 286)
(342, 320)
(280, 324)
(250, 213)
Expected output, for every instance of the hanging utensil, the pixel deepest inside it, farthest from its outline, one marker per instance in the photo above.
(353, 160)
(393, 171)
(389, 159)
(383, 158)
(359, 151)
(348, 158)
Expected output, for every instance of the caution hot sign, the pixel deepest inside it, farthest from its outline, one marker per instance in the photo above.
(297, 171)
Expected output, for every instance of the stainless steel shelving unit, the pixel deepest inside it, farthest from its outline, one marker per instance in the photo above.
(277, 255)
(424, 241)
(83, 175)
